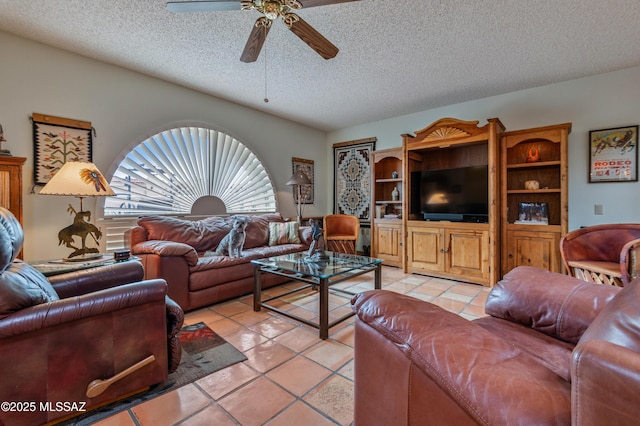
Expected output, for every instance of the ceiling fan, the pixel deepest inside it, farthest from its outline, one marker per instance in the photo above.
(271, 10)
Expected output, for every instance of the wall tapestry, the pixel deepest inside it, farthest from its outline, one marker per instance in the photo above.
(57, 140)
(352, 178)
(307, 167)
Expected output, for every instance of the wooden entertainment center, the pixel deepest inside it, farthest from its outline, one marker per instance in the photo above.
(472, 242)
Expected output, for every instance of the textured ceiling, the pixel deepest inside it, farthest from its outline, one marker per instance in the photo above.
(396, 57)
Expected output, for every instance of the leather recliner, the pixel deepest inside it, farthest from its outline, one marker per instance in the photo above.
(62, 339)
(554, 350)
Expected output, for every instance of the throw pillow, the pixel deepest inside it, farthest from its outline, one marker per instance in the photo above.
(283, 233)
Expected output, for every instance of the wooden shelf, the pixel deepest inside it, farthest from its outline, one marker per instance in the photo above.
(389, 202)
(533, 165)
(535, 191)
(385, 180)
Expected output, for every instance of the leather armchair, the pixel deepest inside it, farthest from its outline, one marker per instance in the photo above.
(341, 233)
(63, 340)
(603, 254)
(554, 350)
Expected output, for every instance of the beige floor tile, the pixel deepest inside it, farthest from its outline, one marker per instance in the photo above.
(300, 414)
(204, 315)
(250, 317)
(298, 338)
(171, 407)
(212, 415)
(332, 355)
(299, 375)
(258, 402)
(231, 308)
(267, 356)
(449, 304)
(334, 397)
(123, 418)
(245, 339)
(227, 380)
(477, 311)
(467, 289)
(272, 327)
(347, 371)
(343, 335)
(225, 327)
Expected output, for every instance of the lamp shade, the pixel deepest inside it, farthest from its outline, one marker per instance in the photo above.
(299, 178)
(80, 179)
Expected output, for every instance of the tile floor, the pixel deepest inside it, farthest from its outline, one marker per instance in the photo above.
(290, 377)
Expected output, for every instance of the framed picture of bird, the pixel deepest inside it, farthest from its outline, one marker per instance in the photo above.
(57, 140)
(613, 155)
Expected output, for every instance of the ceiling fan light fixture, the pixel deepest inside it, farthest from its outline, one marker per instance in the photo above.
(271, 9)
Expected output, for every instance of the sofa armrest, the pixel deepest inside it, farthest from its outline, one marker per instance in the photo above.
(166, 248)
(82, 307)
(455, 359)
(554, 304)
(604, 373)
(98, 278)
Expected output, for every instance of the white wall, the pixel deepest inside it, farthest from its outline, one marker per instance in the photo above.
(598, 102)
(125, 108)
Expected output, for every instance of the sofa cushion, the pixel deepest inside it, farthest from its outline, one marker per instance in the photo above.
(202, 235)
(258, 229)
(619, 321)
(22, 286)
(283, 233)
(563, 310)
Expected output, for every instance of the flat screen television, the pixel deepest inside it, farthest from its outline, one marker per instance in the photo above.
(457, 195)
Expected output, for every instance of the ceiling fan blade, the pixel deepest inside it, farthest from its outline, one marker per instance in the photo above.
(313, 3)
(202, 6)
(309, 35)
(256, 40)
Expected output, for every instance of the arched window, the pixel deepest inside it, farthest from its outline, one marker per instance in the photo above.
(190, 170)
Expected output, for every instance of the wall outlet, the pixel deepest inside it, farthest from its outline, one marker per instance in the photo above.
(598, 209)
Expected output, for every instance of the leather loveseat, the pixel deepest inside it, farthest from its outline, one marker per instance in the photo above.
(554, 350)
(181, 252)
(59, 335)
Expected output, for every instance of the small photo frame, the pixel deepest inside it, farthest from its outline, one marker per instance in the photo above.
(307, 191)
(613, 155)
(533, 214)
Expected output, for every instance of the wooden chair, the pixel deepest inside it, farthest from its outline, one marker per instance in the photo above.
(341, 233)
(603, 254)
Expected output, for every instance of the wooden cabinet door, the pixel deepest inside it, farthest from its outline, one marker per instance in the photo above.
(387, 243)
(467, 253)
(426, 249)
(540, 249)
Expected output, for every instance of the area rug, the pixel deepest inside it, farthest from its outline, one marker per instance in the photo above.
(203, 353)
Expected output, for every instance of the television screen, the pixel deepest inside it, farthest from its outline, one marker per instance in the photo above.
(459, 194)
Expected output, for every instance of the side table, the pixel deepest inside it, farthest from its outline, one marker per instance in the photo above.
(57, 266)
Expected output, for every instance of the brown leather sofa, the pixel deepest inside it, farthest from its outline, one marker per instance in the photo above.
(180, 251)
(554, 350)
(59, 335)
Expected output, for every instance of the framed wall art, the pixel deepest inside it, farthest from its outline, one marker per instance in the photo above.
(613, 155)
(56, 141)
(352, 178)
(307, 191)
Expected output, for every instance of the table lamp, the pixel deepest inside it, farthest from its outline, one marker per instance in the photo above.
(79, 179)
(297, 180)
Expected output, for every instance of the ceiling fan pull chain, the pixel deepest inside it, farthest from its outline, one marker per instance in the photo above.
(266, 99)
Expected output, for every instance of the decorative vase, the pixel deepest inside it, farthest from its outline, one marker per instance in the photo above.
(395, 194)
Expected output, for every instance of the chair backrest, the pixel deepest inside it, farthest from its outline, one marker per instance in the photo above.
(341, 232)
(601, 243)
(11, 238)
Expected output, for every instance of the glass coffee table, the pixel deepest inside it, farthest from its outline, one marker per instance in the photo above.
(320, 275)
